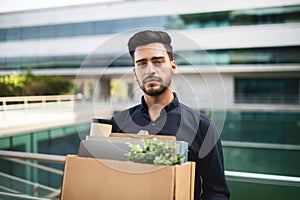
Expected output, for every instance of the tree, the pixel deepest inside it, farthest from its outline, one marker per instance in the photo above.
(27, 84)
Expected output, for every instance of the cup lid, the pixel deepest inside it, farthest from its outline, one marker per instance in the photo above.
(101, 121)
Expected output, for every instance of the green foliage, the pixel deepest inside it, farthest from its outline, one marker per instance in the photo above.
(12, 85)
(154, 152)
(27, 84)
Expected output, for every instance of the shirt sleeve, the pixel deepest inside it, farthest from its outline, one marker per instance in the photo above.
(115, 127)
(211, 170)
(210, 163)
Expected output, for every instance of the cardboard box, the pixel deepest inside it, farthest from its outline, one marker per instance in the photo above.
(90, 178)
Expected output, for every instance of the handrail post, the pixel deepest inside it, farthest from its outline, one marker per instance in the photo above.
(35, 190)
(4, 105)
(44, 101)
(25, 103)
(58, 101)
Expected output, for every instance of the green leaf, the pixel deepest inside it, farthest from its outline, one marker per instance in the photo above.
(154, 152)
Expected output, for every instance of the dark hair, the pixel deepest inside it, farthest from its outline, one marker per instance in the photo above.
(147, 37)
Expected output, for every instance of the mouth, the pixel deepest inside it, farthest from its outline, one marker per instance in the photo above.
(151, 80)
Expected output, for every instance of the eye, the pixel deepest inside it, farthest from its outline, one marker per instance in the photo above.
(158, 62)
(142, 64)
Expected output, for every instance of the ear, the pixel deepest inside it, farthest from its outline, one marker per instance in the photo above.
(174, 67)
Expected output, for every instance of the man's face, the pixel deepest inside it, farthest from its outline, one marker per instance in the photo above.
(153, 68)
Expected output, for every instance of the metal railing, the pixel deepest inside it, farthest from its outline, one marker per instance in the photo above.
(230, 175)
(271, 99)
(263, 178)
(260, 145)
(21, 196)
(33, 156)
(20, 157)
(257, 177)
(35, 186)
(23, 102)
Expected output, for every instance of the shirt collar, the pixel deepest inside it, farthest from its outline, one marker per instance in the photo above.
(173, 104)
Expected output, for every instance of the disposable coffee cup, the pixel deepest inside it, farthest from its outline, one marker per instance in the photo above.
(101, 127)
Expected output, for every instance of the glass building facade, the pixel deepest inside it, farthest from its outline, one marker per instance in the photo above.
(276, 15)
(224, 57)
(260, 56)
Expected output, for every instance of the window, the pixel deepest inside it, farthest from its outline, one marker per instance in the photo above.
(29, 33)
(267, 90)
(46, 31)
(13, 63)
(2, 63)
(84, 29)
(102, 27)
(13, 34)
(2, 34)
(30, 62)
(64, 30)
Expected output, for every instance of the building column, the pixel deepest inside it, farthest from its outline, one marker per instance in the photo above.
(104, 89)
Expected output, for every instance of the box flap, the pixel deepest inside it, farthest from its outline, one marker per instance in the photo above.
(184, 182)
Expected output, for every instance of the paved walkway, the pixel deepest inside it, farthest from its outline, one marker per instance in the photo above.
(36, 117)
(27, 120)
(41, 116)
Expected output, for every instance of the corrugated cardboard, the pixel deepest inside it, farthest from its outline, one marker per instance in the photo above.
(90, 178)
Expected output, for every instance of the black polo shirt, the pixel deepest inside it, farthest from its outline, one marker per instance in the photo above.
(188, 125)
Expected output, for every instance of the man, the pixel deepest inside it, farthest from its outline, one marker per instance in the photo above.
(160, 112)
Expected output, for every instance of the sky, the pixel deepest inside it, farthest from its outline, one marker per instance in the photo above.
(19, 5)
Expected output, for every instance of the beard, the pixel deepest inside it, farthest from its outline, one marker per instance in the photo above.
(152, 91)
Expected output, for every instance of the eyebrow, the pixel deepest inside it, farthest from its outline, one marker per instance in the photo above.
(157, 57)
(153, 58)
(141, 60)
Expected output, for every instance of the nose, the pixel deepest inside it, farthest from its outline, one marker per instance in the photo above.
(150, 69)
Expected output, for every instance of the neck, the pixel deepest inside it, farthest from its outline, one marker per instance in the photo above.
(157, 103)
